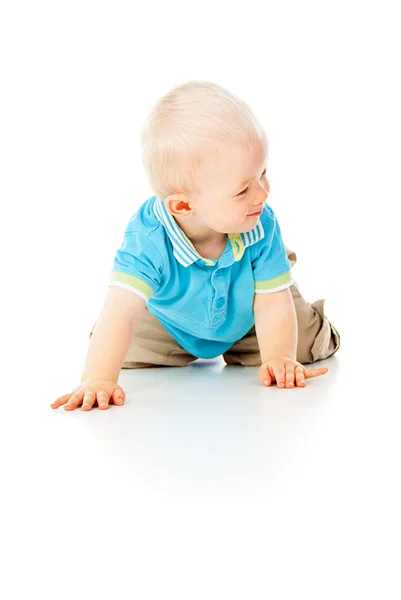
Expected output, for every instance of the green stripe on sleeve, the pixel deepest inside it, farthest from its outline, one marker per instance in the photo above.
(273, 283)
(132, 281)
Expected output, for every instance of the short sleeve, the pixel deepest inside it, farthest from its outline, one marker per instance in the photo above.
(271, 267)
(138, 265)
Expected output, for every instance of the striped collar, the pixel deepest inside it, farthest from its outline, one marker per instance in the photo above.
(183, 249)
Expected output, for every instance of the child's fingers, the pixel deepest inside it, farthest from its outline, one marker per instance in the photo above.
(74, 400)
(279, 374)
(267, 380)
(284, 376)
(88, 401)
(103, 399)
(104, 392)
(289, 376)
(315, 372)
(299, 377)
(60, 401)
(264, 375)
(118, 397)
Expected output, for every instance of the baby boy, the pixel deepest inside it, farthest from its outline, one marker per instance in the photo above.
(202, 270)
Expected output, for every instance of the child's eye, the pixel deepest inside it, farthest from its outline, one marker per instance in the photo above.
(243, 191)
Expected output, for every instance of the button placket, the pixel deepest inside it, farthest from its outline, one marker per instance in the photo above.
(219, 307)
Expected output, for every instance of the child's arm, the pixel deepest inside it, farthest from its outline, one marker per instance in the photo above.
(276, 324)
(121, 314)
(276, 327)
(108, 346)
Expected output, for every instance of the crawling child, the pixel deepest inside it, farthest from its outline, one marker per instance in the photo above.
(202, 270)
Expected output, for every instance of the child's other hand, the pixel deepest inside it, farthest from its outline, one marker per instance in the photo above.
(88, 392)
(286, 372)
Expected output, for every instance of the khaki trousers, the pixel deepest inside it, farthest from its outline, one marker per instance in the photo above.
(153, 346)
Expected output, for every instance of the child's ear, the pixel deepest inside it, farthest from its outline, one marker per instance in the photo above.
(178, 204)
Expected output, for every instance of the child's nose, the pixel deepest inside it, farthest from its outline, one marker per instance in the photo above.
(261, 195)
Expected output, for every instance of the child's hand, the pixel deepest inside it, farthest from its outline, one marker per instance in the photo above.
(88, 392)
(287, 372)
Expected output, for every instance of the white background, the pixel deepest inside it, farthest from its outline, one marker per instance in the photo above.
(77, 81)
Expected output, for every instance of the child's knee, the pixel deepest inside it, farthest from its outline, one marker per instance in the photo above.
(317, 337)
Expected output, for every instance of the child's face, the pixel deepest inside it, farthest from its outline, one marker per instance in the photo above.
(233, 186)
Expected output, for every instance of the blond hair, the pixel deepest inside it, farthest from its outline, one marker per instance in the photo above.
(183, 132)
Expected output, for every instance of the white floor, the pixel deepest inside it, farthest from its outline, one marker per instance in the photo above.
(208, 485)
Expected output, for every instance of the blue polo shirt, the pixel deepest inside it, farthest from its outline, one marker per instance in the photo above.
(206, 305)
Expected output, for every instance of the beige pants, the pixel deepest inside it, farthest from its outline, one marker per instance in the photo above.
(152, 345)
